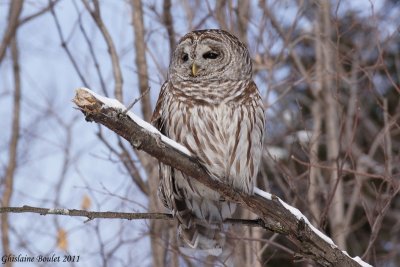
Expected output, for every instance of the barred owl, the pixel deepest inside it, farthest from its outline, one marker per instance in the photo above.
(211, 105)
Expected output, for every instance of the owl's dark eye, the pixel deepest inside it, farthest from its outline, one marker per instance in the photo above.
(185, 57)
(210, 55)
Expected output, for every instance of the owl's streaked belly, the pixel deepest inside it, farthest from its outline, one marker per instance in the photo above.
(220, 136)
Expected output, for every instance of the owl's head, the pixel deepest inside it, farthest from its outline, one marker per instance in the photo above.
(208, 55)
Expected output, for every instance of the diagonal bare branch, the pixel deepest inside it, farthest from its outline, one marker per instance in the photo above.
(276, 215)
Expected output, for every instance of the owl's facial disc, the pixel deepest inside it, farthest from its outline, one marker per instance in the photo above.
(207, 55)
(199, 59)
(207, 59)
(210, 56)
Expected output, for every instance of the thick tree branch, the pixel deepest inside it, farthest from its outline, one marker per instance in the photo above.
(276, 215)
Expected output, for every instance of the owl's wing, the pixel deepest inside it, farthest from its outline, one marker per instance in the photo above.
(157, 119)
(165, 171)
(172, 197)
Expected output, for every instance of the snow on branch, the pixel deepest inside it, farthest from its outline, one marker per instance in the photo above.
(275, 214)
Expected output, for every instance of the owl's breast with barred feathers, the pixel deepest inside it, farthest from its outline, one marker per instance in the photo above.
(223, 130)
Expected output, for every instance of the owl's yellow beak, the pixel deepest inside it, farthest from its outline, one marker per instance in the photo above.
(195, 69)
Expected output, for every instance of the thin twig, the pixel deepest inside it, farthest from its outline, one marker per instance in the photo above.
(343, 170)
(377, 225)
(136, 100)
(38, 13)
(116, 68)
(65, 46)
(91, 50)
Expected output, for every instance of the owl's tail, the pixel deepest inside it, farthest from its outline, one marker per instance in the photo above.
(202, 238)
(201, 226)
